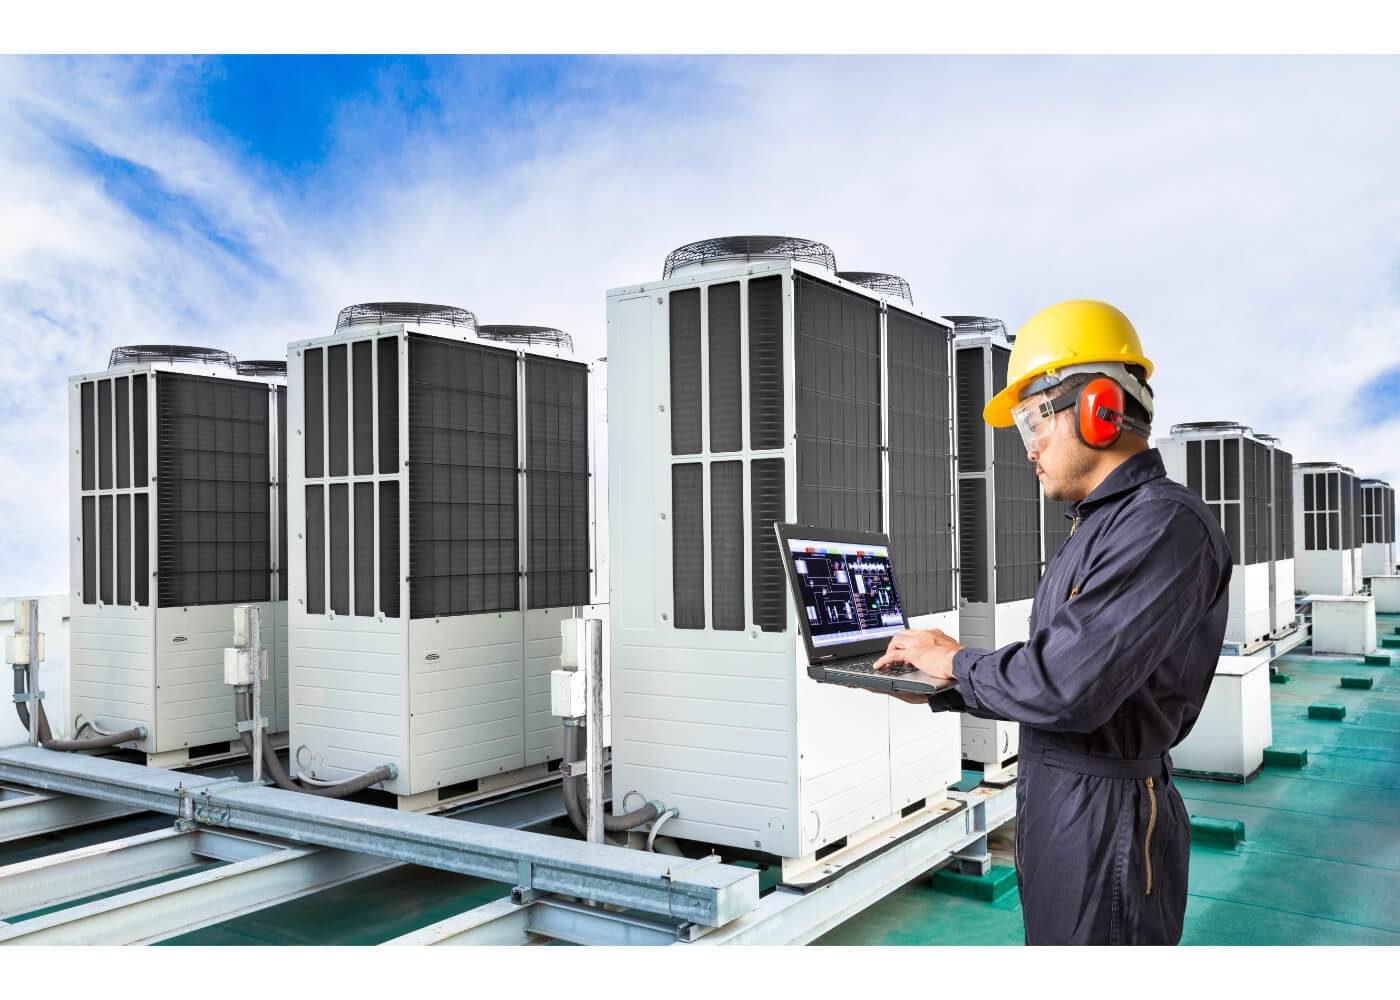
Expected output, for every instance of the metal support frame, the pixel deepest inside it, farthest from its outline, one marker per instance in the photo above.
(26, 813)
(247, 874)
(709, 895)
(781, 917)
(593, 695)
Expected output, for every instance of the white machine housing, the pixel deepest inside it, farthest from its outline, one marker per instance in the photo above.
(1377, 529)
(1001, 543)
(176, 517)
(444, 481)
(1236, 721)
(747, 391)
(1327, 528)
(1344, 625)
(1246, 480)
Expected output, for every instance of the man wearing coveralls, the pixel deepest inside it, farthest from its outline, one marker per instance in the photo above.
(1124, 638)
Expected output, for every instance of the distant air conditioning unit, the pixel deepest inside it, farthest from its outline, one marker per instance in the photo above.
(1377, 528)
(1327, 524)
(1246, 480)
(442, 491)
(752, 386)
(177, 515)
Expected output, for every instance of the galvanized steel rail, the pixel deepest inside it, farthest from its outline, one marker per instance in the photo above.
(708, 894)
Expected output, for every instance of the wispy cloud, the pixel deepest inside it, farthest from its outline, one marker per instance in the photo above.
(1242, 211)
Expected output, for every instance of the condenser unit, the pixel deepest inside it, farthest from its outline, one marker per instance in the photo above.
(176, 474)
(999, 521)
(1377, 529)
(440, 482)
(1246, 481)
(750, 386)
(1327, 522)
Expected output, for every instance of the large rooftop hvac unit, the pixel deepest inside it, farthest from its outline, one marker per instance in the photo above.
(440, 480)
(752, 386)
(1246, 480)
(1328, 527)
(999, 522)
(1377, 528)
(176, 511)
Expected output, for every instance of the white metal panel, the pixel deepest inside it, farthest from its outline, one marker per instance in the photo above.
(544, 733)
(1235, 724)
(1385, 590)
(925, 747)
(112, 667)
(1285, 612)
(1344, 624)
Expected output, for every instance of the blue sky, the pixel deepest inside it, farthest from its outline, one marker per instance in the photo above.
(1243, 211)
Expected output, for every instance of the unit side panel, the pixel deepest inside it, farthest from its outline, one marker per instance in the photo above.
(467, 698)
(544, 733)
(111, 668)
(925, 747)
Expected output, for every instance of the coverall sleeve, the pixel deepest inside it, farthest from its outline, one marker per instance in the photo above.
(1148, 579)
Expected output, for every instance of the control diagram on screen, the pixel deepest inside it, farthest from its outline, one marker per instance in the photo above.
(847, 593)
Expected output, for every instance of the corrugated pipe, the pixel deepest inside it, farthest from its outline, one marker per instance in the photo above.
(576, 791)
(282, 779)
(46, 738)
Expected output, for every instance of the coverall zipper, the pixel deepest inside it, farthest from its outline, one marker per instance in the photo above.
(1147, 840)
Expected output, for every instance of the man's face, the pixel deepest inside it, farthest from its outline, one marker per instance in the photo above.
(1062, 462)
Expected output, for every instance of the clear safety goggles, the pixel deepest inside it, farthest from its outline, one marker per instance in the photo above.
(1035, 419)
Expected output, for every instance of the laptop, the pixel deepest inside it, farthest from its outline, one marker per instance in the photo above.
(848, 607)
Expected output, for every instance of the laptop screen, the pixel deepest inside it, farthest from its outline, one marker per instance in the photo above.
(847, 591)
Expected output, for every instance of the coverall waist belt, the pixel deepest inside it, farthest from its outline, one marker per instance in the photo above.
(1102, 767)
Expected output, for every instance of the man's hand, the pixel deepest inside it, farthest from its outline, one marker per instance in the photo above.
(929, 651)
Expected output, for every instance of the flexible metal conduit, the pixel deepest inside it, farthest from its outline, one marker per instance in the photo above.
(576, 791)
(46, 737)
(282, 779)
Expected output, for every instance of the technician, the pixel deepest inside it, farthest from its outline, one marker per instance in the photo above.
(1124, 638)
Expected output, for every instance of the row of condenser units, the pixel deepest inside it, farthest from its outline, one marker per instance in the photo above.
(419, 501)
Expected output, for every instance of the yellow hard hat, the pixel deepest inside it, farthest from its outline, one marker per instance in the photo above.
(1078, 332)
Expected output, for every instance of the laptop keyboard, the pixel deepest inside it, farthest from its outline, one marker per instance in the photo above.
(868, 667)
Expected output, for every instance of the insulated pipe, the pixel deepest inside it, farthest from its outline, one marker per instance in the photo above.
(46, 738)
(575, 792)
(283, 780)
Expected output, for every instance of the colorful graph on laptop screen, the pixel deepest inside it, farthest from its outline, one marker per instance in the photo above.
(848, 591)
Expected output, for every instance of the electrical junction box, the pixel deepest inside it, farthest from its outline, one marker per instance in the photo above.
(17, 649)
(441, 471)
(1377, 528)
(752, 385)
(238, 666)
(1328, 527)
(177, 515)
(568, 698)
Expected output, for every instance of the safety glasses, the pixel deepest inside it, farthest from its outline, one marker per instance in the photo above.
(1035, 419)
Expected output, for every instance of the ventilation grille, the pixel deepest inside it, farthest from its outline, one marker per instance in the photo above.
(745, 248)
(890, 285)
(463, 490)
(685, 372)
(972, 397)
(727, 545)
(136, 354)
(212, 447)
(376, 313)
(726, 385)
(921, 477)
(1056, 528)
(838, 408)
(1283, 504)
(974, 325)
(261, 368)
(767, 422)
(513, 333)
(972, 545)
(1017, 518)
(688, 544)
(556, 478)
(768, 506)
(1257, 488)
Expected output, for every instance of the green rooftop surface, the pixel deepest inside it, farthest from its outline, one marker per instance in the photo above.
(1321, 864)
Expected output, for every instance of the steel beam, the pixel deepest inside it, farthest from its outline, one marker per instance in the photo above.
(26, 813)
(500, 922)
(706, 893)
(271, 875)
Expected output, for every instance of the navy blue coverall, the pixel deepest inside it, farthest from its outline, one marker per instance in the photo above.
(1125, 636)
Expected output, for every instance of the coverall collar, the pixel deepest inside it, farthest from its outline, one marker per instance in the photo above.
(1141, 468)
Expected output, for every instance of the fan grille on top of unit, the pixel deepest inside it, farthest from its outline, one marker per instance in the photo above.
(747, 247)
(375, 313)
(262, 367)
(878, 281)
(979, 324)
(516, 333)
(133, 354)
(1212, 425)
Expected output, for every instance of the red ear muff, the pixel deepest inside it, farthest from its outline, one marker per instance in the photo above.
(1099, 413)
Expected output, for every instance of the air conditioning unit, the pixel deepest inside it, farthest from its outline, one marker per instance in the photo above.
(176, 509)
(1327, 523)
(1000, 515)
(1377, 528)
(441, 489)
(1246, 480)
(751, 385)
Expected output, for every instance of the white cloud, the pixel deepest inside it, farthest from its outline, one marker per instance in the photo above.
(1242, 211)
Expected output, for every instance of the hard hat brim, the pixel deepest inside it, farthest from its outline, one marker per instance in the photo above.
(997, 412)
